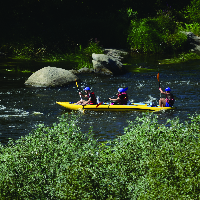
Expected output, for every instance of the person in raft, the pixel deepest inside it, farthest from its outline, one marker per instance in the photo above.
(90, 96)
(169, 100)
(122, 97)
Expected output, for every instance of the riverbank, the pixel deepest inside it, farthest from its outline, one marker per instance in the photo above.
(82, 58)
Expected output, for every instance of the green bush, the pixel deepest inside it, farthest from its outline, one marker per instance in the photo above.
(160, 34)
(36, 50)
(84, 56)
(167, 158)
(48, 163)
(150, 161)
(192, 12)
(194, 28)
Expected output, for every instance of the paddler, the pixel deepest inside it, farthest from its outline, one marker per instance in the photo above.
(122, 97)
(169, 100)
(90, 96)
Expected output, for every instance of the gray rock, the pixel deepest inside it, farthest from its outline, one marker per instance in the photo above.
(99, 68)
(73, 71)
(106, 64)
(85, 70)
(116, 53)
(193, 41)
(51, 77)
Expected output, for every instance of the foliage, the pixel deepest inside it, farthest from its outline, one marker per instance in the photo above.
(180, 58)
(160, 34)
(194, 28)
(192, 16)
(85, 55)
(167, 158)
(54, 29)
(192, 12)
(150, 161)
(48, 164)
(93, 47)
(32, 50)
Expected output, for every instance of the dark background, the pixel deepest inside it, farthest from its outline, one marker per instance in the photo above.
(66, 23)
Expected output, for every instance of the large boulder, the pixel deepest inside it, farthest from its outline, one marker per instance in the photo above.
(51, 77)
(193, 41)
(107, 64)
(116, 53)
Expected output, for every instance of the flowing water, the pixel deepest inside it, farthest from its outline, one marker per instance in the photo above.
(23, 107)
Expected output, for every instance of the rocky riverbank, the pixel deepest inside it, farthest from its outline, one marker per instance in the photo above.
(109, 63)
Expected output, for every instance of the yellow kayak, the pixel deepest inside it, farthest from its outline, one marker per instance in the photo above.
(108, 107)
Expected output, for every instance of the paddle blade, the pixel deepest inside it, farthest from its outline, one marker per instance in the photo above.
(158, 77)
(98, 104)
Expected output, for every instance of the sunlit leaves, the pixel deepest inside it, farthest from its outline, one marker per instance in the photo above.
(150, 161)
(159, 34)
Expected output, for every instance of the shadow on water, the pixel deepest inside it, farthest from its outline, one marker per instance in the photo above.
(22, 108)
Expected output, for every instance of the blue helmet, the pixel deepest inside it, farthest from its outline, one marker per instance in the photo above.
(86, 88)
(167, 89)
(122, 89)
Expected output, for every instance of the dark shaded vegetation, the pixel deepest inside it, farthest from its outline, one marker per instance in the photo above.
(52, 30)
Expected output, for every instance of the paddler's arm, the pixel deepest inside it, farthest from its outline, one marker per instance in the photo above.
(162, 91)
(82, 95)
(86, 102)
(114, 99)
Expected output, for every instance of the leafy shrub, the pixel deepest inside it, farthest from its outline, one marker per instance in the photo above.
(36, 50)
(40, 164)
(175, 42)
(85, 55)
(192, 12)
(93, 47)
(155, 35)
(151, 161)
(166, 158)
(194, 28)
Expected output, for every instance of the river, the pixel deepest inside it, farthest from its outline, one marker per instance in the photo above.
(23, 107)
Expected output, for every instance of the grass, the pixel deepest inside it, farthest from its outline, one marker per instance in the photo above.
(181, 58)
(81, 57)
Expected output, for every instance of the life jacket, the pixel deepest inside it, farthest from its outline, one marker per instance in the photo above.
(123, 98)
(93, 98)
(170, 99)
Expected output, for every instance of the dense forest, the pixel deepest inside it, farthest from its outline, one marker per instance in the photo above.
(61, 25)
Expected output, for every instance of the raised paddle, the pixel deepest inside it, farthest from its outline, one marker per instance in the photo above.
(78, 90)
(158, 81)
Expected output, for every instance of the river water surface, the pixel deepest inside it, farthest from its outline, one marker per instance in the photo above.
(22, 107)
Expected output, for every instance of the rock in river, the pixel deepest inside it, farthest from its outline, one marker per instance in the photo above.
(51, 77)
(107, 64)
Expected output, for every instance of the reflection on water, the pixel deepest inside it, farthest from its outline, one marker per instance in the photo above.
(22, 107)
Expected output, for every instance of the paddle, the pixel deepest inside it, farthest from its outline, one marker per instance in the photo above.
(158, 81)
(104, 101)
(78, 90)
